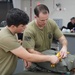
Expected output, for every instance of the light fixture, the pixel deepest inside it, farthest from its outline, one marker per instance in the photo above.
(59, 8)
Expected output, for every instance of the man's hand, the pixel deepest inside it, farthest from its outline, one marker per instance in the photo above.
(54, 59)
(63, 52)
(27, 64)
(59, 57)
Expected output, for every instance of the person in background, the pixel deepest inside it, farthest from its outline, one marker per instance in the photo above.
(39, 34)
(71, 24)
(10, 48)
(63, 27)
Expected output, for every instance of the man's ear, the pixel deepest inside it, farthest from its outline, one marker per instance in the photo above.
(12, 26)
(35, 16)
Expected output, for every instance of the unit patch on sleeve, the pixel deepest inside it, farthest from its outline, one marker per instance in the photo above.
(27, 38)
(49, 35)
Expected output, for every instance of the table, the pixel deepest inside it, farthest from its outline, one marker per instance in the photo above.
(71, 42)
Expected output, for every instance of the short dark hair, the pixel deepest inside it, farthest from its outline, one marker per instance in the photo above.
(41, 8)
(16, 17)
(72, 18)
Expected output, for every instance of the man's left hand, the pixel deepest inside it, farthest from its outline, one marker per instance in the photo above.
(63, 52)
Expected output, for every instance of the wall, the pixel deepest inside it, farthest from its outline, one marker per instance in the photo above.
(17, 4)
(25, 5)
(55, 14)
(5, 6)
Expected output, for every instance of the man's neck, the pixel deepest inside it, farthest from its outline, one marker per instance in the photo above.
(38, 25)
(11, 30)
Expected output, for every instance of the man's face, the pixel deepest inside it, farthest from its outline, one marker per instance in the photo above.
(42, 19)
(73, 21)
(20, 28)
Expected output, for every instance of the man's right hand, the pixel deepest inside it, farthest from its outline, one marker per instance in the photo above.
(54, 59)
(27, 64)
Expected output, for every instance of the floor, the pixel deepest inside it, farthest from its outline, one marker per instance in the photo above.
(39, 73)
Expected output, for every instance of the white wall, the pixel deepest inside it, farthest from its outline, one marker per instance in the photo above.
(17, 4)
(25, 5)
(65, 15)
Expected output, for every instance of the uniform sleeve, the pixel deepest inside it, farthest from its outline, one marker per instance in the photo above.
(57, 32)
(9, 43)
(69, 26)
(28, 39)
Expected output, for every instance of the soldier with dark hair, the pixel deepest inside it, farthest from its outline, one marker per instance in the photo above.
(10, 48)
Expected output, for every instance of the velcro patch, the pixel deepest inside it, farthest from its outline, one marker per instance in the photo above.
(27, 38)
